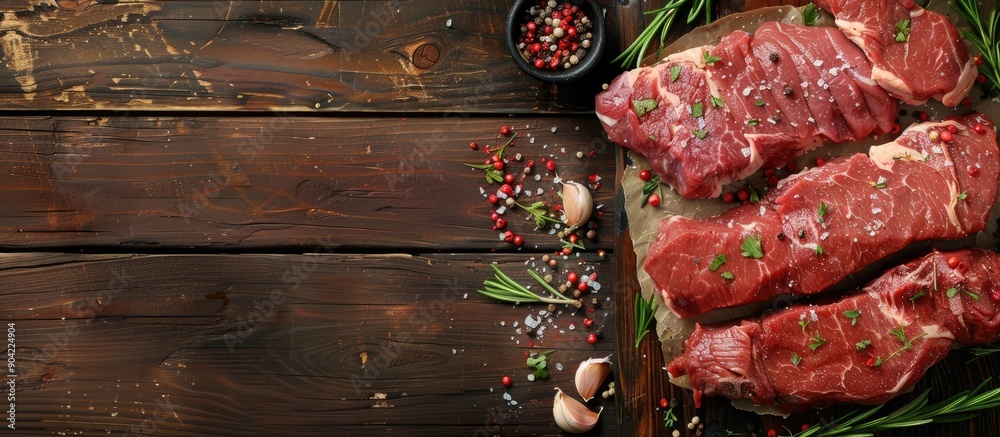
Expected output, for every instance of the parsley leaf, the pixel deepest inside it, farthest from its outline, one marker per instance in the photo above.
(809, 14)
(951, 292)
(675, 73)
(962, 196)
(697, 109)
(728, 275)
(717, 102)
(903, 30)
(759, 102)
(853, 315)
(822, 210)
(644, 106)
(817, 341)
(796, 359)
(717, 262)
(707, 58)
(700, 133)
(863, 344)
(753, 121)
(751, 247)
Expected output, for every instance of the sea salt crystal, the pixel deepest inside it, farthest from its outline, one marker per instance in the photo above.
(454, 351)
(503, 323)
(745, 151)
(506, 396)
(876, 210)
(762, 210)
(559, 367)
(746, 91)
(824, 236)
(937, 149)
(502, 209)
(532, 322)
(447, 23)
(531, 377)
(532, 140)
(538, 177)
(554, 129)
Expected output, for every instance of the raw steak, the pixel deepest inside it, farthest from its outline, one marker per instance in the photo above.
(863, 349)
(931, 62)
(714, 114)
(827, 222)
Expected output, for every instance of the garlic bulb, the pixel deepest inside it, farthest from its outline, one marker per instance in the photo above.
(572, 416)
(590, 375)
(577, 204)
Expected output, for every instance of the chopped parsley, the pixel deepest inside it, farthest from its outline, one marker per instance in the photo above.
(700, 133)
(917, 296)
(880, 184)
(707, 58)
(803, 323)
(853, 315)
(759, 102)
(751, 247)
(863, 344)
(717, 262)
(796, 359)
(952, 292)
(817, 341)
(753, 121)
(819, 250)
(822, 210)
(728, 275)
(717, 102)
(697, 109)
(675, 73)
(809, 14)
(903, 30)
(644, 106)
(962, 196)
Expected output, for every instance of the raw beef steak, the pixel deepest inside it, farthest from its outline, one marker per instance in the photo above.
(915, 54)
(715, 114)
(825, 223)
(864, 349)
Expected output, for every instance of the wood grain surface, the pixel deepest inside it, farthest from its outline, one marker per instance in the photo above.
(218, 182)
(316, 344)
(371, 56)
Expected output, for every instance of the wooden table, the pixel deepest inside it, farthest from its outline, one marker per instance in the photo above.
(254, 218)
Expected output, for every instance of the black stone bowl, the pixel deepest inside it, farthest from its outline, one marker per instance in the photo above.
(596, 16)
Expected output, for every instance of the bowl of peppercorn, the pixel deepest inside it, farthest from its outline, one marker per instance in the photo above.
(556, 41)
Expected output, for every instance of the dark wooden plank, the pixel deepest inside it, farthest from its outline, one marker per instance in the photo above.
(290, 55)
(282, 181)
(283, 344)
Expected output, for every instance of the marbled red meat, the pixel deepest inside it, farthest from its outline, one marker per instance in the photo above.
(766, 100)
(932, 62)
(913, 189)
(853, 350)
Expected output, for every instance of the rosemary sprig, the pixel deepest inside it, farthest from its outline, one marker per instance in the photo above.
(981, 351)
(985, 35)
(539, 213)
(644, 315)
(494, 176)
(501, 287)
(960, 407)
(661, 24)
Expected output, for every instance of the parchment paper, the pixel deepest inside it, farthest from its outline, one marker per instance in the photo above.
(671, 330)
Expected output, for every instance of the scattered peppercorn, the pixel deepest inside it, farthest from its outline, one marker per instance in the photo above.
(592, 338)
(506, 381)
(953, 262)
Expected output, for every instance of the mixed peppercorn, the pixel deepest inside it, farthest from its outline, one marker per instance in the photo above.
(554, 36)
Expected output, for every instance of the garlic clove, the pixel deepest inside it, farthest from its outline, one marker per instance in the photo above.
(577, 204)
(572, 416)
(590, 375)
